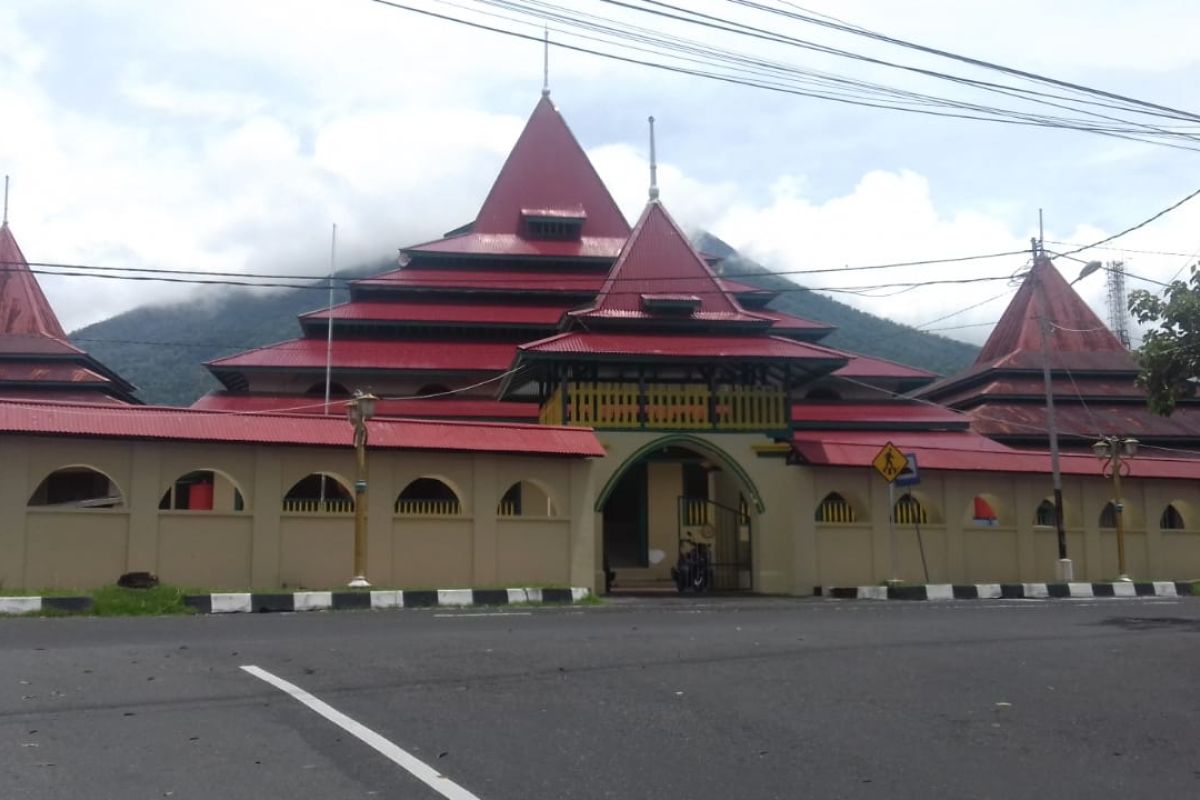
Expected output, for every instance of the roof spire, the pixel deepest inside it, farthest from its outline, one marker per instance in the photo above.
(5, 220)
(546, 61)
(653, 166)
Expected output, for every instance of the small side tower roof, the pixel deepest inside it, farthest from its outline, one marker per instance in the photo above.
(24, 310)
(1078, 339)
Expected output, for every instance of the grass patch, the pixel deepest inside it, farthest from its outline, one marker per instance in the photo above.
(115, 601)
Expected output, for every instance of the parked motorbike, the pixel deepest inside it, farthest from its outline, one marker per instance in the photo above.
(693, 569)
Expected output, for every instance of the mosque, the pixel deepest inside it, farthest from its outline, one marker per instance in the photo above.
(564, 399)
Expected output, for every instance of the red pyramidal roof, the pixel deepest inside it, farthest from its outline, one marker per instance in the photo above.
(547, 176)
(659, 266)
(1077, 340)
(24, 310)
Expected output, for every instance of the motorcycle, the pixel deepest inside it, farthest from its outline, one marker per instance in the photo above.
(693, 569)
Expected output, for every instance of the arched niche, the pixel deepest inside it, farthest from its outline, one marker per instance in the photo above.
(913, 509)
(836, 508)
(984, 510)
(77, 486)
(203, 490)
(527, 498)
(1171, 519)
(319, 493)
(428, 496)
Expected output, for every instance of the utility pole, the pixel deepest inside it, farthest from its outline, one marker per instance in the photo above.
(1065, 570)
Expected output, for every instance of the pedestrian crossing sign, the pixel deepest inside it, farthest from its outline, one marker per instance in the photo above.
(889, 462)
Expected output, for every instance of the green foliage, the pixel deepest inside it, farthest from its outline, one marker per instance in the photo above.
(117, 601)
(857, 331)
(1170, 354)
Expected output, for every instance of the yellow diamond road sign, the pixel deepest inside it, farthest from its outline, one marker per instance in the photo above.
(890, 462)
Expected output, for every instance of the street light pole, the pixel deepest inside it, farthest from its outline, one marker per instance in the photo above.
(1115, 451)
(1066, 570)
(360, 409)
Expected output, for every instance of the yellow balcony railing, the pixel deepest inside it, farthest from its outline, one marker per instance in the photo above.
(667, 407)
(427, 508)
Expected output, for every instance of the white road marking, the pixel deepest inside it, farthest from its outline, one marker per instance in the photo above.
(489, 614)
(402, 758)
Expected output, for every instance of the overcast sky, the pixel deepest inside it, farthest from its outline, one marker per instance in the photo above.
(230, 134)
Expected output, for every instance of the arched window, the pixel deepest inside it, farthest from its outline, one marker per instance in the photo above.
(1171, 519)
(428, 497)
(909, 511)
(203, 490)
(76, 487)
(983, 513)
(1044, 516)
(319, 493)
(526, 499)
(432, 389)
(1108, 517)
(835, 508)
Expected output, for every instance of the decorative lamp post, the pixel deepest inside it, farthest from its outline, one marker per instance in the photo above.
(1115, 452)
(359, 409)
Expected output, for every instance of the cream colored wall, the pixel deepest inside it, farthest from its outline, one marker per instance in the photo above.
(959, 551)
(263, 547)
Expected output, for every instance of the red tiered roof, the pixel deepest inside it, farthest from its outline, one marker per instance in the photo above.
(34, 347)
(547, 174)
(419, 279)
(445, 313)
(640, 346)
(370, 354)
(1078, 340)
(24, 310)
(861, 366)
(179, 424)
(658, 262)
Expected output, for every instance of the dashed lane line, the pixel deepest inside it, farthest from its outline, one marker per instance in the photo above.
(402, 758)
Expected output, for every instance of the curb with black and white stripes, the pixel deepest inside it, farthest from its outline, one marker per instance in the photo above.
(1007, 591)
(248, 602)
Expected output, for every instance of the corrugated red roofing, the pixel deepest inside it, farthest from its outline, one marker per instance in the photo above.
(820, 414)
(93, 396)
(658, 258)
(786, 322)
(436, 408)
(1028, 420)
(484, 280)
(668, 345)
(148, 422)
(963, 451)
(24, 310)
(1079, 340)
(375, 354)
(48, 372)
(546, 170)
(473, 243)
(862, 366)
(450, 313)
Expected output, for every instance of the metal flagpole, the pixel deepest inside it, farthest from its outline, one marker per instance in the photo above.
(329, 339)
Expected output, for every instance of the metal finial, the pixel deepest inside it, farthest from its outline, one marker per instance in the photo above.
(653, 164)
(546, 62)
(5, 221)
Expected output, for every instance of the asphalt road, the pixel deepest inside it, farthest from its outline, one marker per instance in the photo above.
(644, 699)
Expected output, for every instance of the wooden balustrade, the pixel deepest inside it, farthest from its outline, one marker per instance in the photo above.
(666, 406)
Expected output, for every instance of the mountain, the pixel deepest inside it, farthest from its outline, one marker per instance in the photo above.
(161, 349)
(857, 331)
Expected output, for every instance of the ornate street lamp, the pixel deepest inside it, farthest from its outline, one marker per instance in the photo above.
(359, 409)
(1115, 452)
